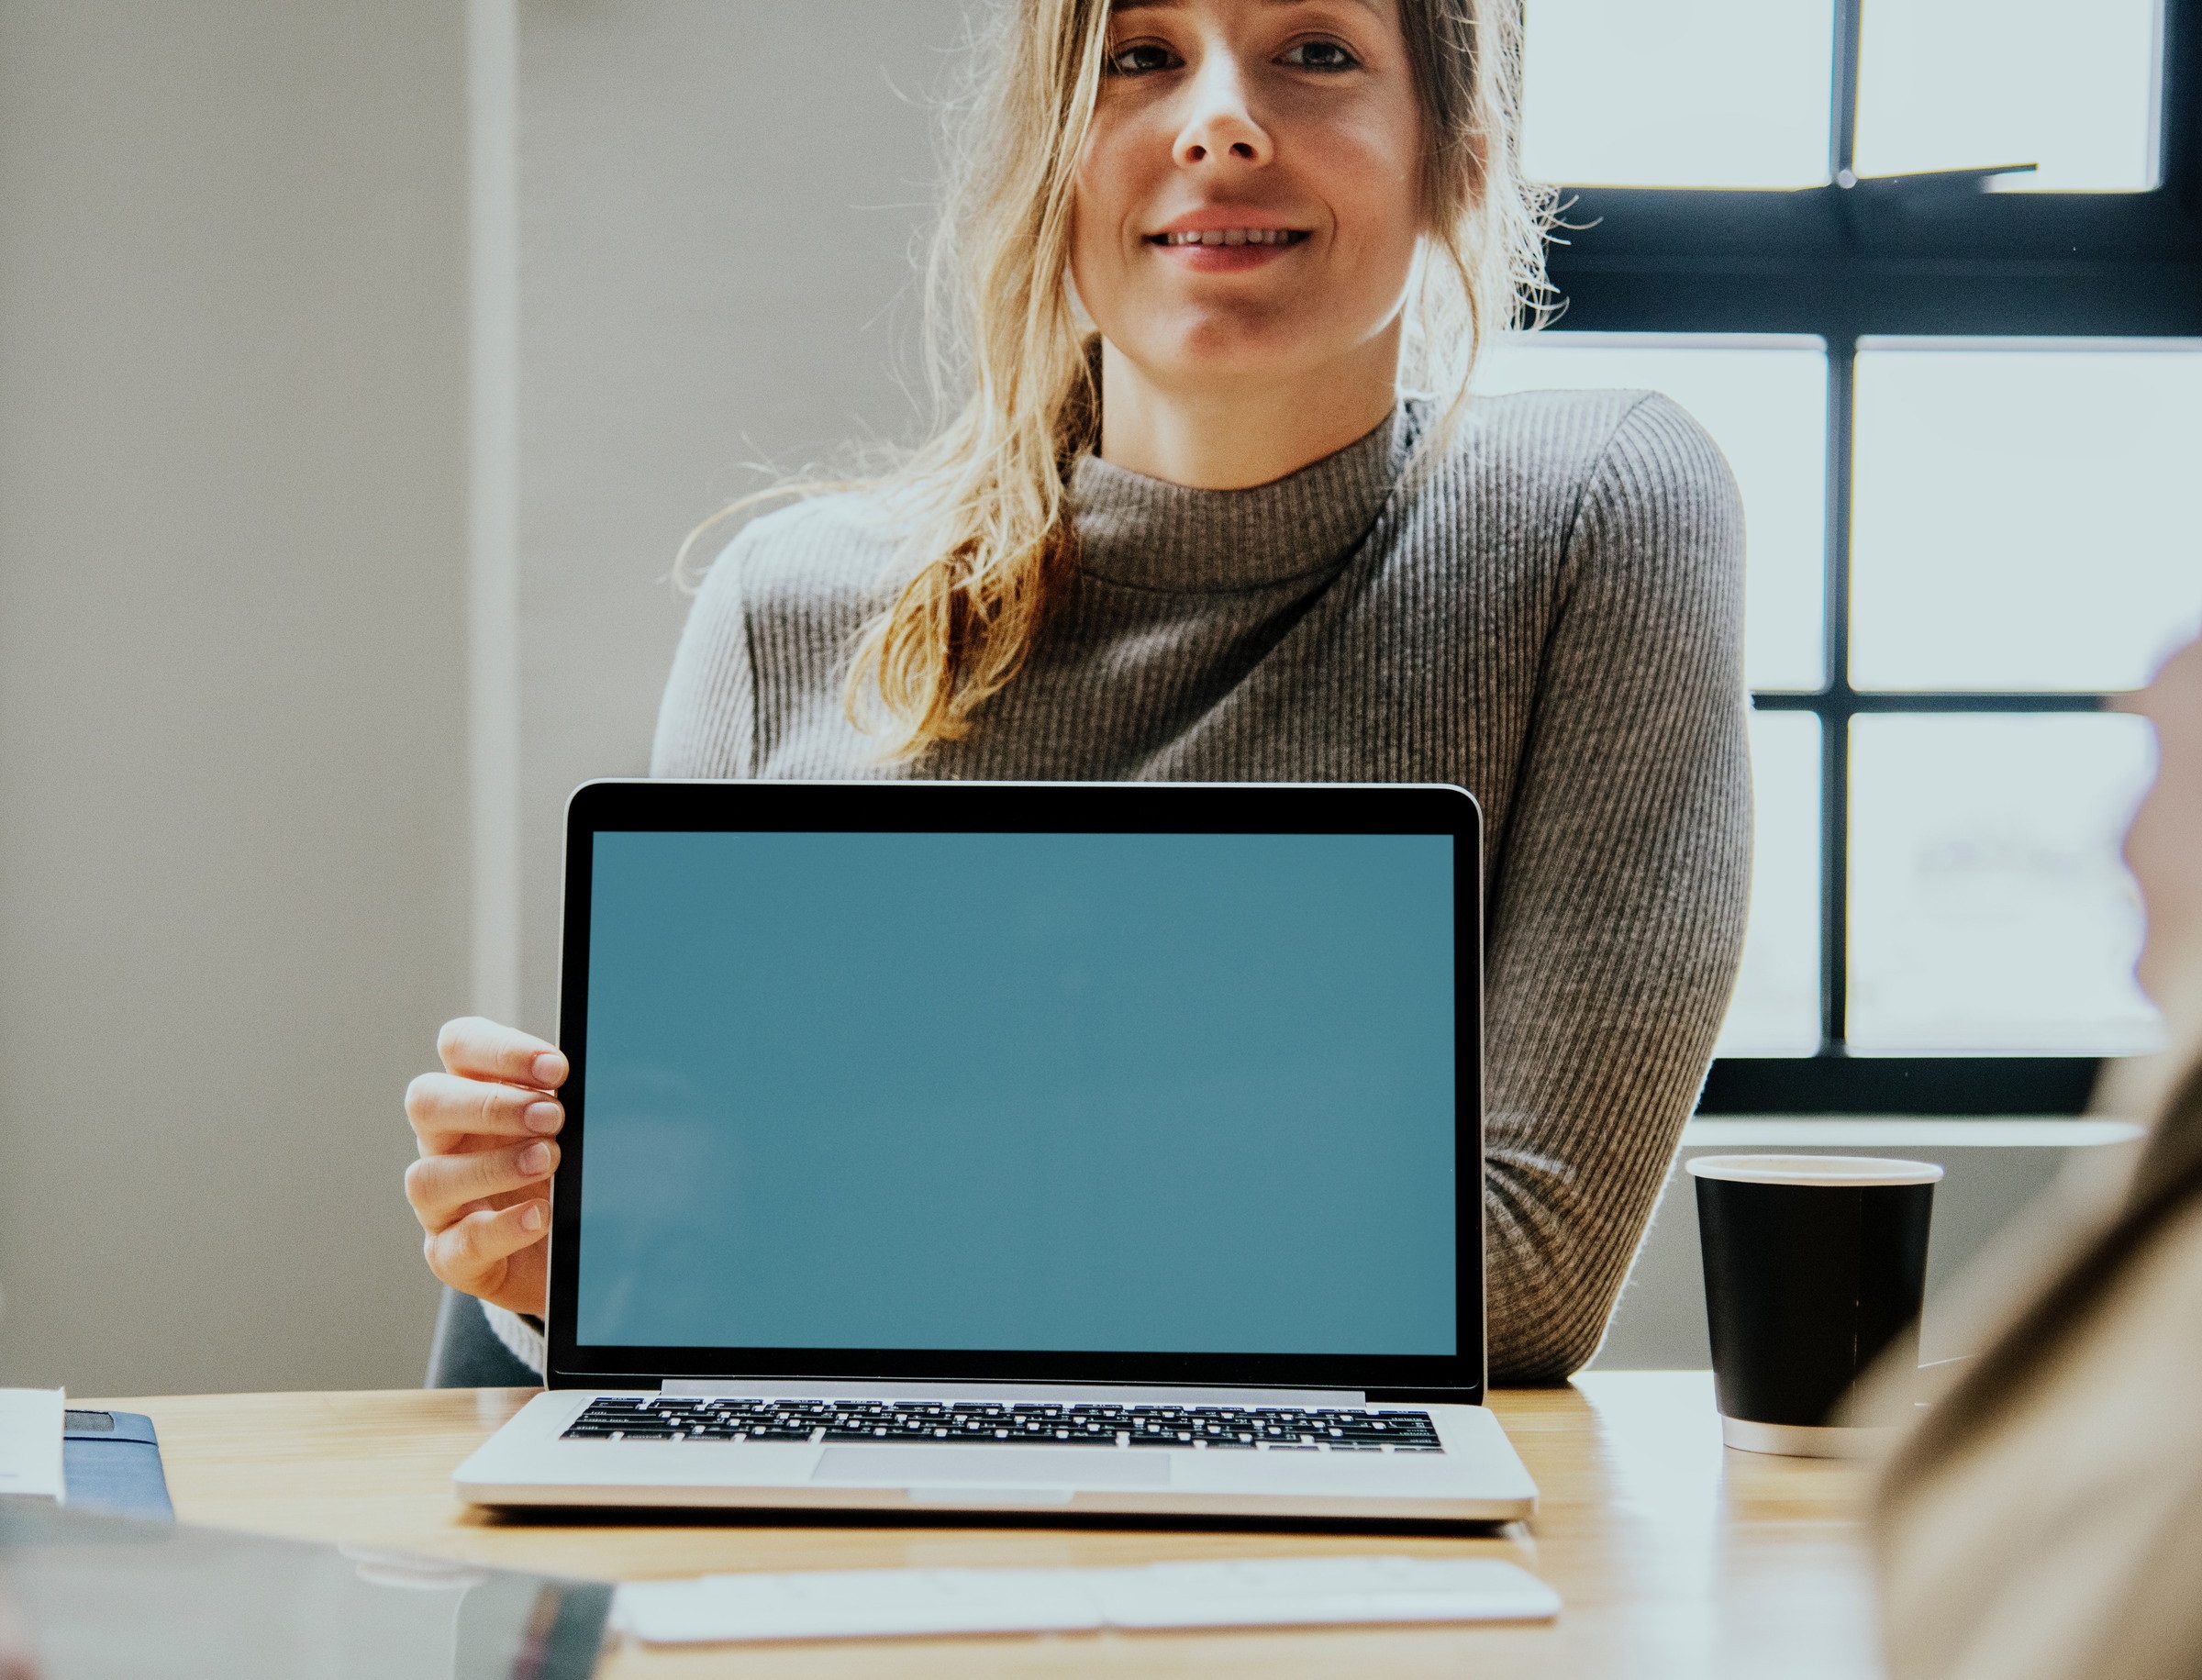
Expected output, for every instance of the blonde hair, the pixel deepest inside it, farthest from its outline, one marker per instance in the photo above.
(985, 501)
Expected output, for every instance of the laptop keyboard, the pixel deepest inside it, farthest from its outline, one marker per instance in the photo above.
(1274, 1429)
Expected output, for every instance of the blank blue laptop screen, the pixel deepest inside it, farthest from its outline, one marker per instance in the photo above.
(1071, 1092)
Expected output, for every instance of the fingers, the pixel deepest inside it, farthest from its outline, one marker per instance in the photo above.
(473, 1255)
(445, 1109)
(495, 1085)
(478, 1049)
(441, 1186)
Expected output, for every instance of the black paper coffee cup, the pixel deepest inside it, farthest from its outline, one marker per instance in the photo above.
(1815, 1266)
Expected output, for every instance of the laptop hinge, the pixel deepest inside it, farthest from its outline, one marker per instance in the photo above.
(1092, 1393)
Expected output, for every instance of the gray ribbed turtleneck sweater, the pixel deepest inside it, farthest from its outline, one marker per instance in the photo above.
(1552, 619)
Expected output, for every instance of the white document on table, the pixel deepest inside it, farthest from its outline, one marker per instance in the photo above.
(30, 1441)
(1245, 1593)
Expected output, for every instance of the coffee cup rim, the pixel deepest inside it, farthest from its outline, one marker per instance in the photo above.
(1815, 1171)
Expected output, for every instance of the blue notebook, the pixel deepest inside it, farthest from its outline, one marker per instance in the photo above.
(111, 1464)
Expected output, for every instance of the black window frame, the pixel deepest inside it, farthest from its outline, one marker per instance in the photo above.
(1921, 256)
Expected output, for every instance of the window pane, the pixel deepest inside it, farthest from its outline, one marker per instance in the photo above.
(1765, 401)
(1776, 1010)
(1694, 93)
(1989, 909)
(1964, 84)
(2023, 515)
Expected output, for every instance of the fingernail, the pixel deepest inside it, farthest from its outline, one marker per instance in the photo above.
(535, 1158)
(544, 1116)
(549, 1069)
(531, 1216)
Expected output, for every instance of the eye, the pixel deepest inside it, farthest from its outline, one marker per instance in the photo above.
(1142, 59)
(1325, 55)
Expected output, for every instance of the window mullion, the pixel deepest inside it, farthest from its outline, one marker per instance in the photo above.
(1835, 720)
(1843, 139)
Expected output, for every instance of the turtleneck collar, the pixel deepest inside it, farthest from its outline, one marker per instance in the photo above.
(1154, 535)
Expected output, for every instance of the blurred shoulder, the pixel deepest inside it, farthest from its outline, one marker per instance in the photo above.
(2061, 1536)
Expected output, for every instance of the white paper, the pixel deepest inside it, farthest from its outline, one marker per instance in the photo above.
(30, 1441)
(1246, 1593)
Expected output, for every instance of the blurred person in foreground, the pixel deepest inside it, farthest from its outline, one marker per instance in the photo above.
(2044, 1520)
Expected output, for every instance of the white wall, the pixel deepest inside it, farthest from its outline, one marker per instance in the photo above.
(232, 561)
(242, 846)
(717, 206)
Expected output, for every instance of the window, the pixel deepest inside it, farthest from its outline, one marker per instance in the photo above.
(1931, 273)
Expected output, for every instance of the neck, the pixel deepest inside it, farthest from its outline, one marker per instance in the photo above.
(1233, 436)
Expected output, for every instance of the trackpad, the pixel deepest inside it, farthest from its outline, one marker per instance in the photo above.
(991, 1467)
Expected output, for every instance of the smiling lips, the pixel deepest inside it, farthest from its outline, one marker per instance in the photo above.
(1225, 251)
(1231, 235)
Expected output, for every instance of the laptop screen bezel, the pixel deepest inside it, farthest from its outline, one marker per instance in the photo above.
(1142, 807)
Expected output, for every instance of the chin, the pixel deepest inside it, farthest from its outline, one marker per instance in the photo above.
(1237, 344)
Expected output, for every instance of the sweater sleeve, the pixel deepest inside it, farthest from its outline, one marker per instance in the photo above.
(707, 719)
(522, 1337)
(1619, 891)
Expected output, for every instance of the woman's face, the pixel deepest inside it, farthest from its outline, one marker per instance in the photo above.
(2159, 845)
(1247, 205)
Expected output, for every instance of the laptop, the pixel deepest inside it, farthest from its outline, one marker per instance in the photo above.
(1025, 1147)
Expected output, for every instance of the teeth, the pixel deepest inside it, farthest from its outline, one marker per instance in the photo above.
(1231, 235)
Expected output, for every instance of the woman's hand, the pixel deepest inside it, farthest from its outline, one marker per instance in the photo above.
(486, 1126)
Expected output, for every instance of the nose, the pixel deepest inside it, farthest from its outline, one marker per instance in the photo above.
(1220, 123)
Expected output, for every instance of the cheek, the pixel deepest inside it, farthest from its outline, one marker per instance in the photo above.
(1090, 270)
(2139, 847)
(1096, 265)
(1369, 172)
(1104, 199)
(2160, 851)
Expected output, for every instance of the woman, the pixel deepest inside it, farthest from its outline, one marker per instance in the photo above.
(2044, 1522)
(1210, 541)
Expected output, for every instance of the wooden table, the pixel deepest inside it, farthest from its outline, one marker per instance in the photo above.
(1673, 1557)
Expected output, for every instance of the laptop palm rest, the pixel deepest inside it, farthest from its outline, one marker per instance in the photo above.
(989, 1467)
